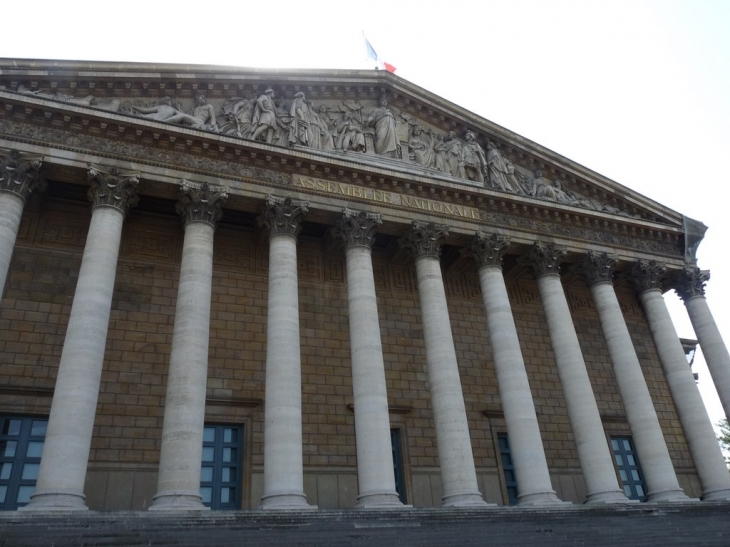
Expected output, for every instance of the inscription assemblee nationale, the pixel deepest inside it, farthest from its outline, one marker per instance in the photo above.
(382, 196)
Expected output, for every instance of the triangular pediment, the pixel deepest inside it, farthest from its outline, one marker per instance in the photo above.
(363, 117)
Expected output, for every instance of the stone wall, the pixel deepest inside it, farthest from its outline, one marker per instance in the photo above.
(126, 442)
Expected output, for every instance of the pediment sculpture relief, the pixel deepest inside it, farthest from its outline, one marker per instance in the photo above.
(348, 126)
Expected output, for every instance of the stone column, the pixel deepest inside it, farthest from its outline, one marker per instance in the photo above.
(696, 423)
(528, 455)
(178, 482)
(18, 178)
(376, 480)
(283, 465)
(449, 413)
(62, 473)
(661, 481)
(691, 288)
(596, 460)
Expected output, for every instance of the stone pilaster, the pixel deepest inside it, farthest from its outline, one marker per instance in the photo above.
(528, 455)
(62, 472)
(449, 413)
(690, 285)
(178, 482)
(19, 176)
(283, 464)
(696, 423)
(376, 480)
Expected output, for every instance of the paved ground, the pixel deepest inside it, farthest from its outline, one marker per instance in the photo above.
(698, 524)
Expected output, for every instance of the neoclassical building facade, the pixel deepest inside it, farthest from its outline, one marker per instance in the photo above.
(231, 289)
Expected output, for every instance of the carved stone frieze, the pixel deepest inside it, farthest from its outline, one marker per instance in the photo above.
(488, 249)
(112, 187)
(283, 216)
(544, 258)
(111, 105)
(201, 202)
(691, 282)
(19, 172)
(596, 267)
(357, 228)
(424, 239)
(646, 275)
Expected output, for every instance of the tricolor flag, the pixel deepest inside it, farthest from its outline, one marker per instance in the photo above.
(374, 56)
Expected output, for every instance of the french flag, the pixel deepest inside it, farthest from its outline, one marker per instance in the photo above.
(374, 56)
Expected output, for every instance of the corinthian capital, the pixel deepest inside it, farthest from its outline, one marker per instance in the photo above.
(19, 172)
(201, 203)
(544, 258)
(596, 267)
(646, 275)
(488, 249)
(112, 187)
(424, 239)
(283, 216)
(691, 282)
(357, 228)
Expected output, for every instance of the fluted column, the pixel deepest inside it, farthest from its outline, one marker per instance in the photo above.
(691, 288)
(696, 423)
(449, 413)
(283, 464)
(533, 477)
(65, 458)
(646, 432)
(18, 178)
(376, 480)
(595, 458)
(178, 482)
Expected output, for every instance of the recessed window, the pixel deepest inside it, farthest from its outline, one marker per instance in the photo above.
(21, 446)
(627, 463)
(510, 479)
(400, 485)
(222, 465)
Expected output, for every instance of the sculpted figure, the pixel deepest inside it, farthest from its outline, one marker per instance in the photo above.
(420, 150)
(160, 113)
(515, 179)
(299, 129)
(203, 116)
(264, 119)
(555, 192)
(350, 136)
(239, 113)
(535, 183)
(475, 162)
(319, 127)
(112, 105)
(449, 156)
(385, 139)
(498, 171)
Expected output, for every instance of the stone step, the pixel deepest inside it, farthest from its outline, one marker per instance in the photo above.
(639, 526)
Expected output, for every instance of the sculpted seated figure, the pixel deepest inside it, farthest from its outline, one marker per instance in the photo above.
(350, 136)
(419, 150)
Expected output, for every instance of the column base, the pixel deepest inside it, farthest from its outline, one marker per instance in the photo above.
(55, 500)
(669, 496)
(540, 499)
(609, 498)
(178, 500)
(465, 499)
(716, 495)
(294, 501)
(379, 500)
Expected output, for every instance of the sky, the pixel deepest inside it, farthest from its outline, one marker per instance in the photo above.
(636, 90)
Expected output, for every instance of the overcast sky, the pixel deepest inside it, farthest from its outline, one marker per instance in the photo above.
(638, 91)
